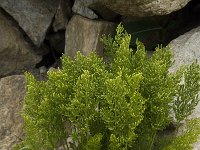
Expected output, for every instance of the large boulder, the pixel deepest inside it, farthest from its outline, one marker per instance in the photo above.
(139, 8)
(33, 16)
(145, 7)
(84, 35)
(186, 50)
(12, 91)
(16, 54)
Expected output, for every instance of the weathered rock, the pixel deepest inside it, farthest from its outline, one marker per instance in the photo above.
(104, 12)
(16, 54)
(62, 15)
(145, 7)
(186, 50)
(81, 7)
(84, 35)
(33, 16)
(12, 91)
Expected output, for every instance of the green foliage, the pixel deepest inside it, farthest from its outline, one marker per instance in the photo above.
(187, 138)
(188, 135)
(187, 93)
(121, 104)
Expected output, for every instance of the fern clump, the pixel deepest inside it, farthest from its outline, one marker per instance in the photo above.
(118, 104)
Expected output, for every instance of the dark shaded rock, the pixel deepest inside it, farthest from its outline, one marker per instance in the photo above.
(62, 15)
(33, 16)
(81, 7)
(15, 52)
(57, 41)
(104, 12)
(84, 35)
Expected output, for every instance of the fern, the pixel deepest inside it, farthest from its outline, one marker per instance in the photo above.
(120, 104)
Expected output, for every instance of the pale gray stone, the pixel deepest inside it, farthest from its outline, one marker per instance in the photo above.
(186, 50)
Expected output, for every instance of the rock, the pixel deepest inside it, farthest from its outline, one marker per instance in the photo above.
(62, 15)
(43, 70)
(185, 50)
(15, 52)
(84, 35)
(145, 7)
(33, 16)
(81, 7)
(12, 91)
(105, 13)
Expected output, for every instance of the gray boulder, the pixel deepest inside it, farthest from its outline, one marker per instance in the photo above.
(84, 35)
(145, 7)
(81, 7)
(12, 91)
(186, 50)
(15, 52)
(33, 16)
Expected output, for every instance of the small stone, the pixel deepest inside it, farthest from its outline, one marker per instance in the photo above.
(43, 70)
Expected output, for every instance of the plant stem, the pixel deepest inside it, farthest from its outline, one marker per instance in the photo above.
(154, 135)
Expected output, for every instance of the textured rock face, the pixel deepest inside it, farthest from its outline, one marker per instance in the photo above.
(12, 91)
(81, 7)
(16, 54)
(33, 16)
(185, 50)
(83, 35)
(62, 15)
(145, 7)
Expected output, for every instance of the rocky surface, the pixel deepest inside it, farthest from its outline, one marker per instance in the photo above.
(81, 7)
(145, 7)
(16, 53)
(62, 15)
(186, 50)
(12, 91)
(33, 16)
(84, 35)
(104, 12)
